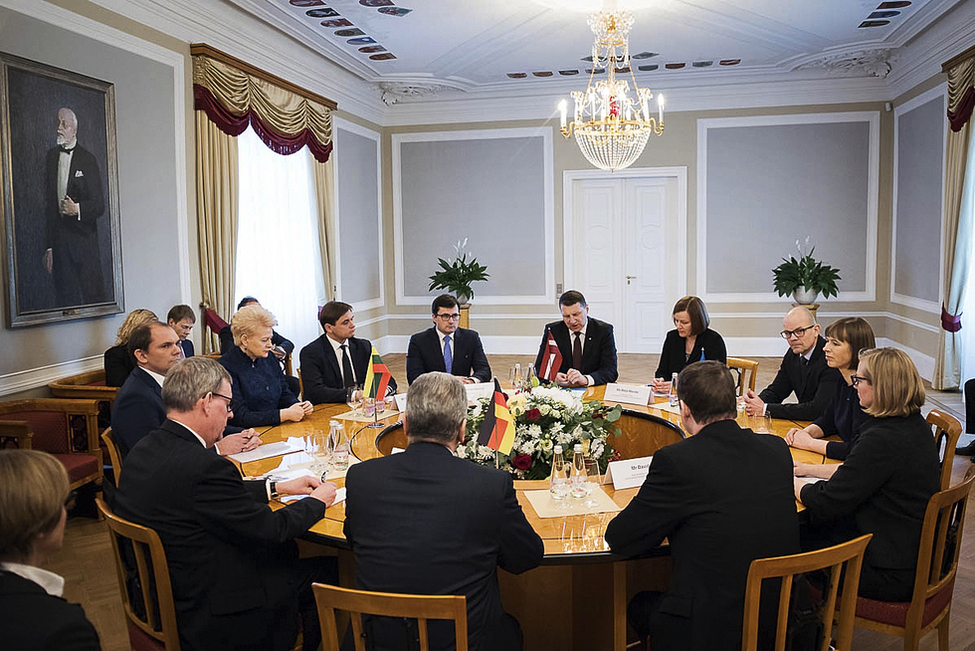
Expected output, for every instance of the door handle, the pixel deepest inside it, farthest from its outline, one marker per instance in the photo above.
(629, 278)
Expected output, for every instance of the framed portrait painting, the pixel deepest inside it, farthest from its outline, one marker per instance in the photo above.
(60, 194)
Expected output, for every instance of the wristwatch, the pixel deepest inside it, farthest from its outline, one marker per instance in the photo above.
(273, 486)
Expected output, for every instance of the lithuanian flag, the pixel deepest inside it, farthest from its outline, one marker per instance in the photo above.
(498, 429)
(377, 377)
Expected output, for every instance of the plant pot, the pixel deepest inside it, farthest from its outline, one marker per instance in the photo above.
(463, 299)
(805, 296)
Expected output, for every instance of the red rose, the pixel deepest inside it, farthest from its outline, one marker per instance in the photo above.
(522, 461)
(533, 414)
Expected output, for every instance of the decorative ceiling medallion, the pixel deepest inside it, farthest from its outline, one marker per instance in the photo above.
(394, 92)
(859, 63)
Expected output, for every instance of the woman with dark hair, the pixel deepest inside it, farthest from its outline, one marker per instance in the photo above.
(885, 483)
(691, 341)
(845, 338)
(118, 360)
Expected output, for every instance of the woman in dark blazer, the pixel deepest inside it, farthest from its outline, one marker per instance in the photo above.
(691, 341)
(844, 417)
(885, 483)
(118, 360)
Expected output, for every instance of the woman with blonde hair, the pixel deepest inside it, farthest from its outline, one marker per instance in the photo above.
(118, 359)
(844, 417)
(33, 615)
(261, 393)
(885, 483)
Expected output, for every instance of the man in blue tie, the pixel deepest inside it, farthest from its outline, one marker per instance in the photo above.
(446, 347)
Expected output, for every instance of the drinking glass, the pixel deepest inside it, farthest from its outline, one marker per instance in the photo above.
(353, 398)
(593, 478)
(762, 424)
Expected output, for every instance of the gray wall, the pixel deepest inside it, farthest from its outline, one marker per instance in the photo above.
(148, 191)
(358, 215)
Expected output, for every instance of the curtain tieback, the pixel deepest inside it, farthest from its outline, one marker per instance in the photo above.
(950, 322)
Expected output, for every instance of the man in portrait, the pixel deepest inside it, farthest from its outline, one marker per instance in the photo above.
(74, 199)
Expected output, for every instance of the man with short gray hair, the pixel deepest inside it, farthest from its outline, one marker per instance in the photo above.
(463, 522)
(237, 581)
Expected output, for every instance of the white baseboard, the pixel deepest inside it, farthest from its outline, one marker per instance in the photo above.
(924, 363)
(39, 377)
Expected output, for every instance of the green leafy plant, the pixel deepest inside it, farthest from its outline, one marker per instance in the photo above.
(457, 275)
(806, 271)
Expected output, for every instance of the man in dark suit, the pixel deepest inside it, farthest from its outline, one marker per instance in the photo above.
(138, 407)
(237, 581)
(181, 318)
(336, 360)
(75, 202)
(431, 349)
(803, 372)
(427, 522)
(587, 345)
(723, 497)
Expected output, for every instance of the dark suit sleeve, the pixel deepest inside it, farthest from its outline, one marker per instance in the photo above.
(714, 348)
(414, 359)
(313, 377)
(286, 344)
(606, 371)
(481, 369)
(805, 410)
(653, 514)
(117, 368)
(521, 547)
(226, 339)
(667, 366)
(90, 199)
(131, 421)
(781, 386)
(76, 634)
(287, 397)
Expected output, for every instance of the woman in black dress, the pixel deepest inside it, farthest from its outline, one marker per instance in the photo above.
(691, 341)
(118, 361)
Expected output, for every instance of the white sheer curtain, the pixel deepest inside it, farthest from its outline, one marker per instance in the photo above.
(968, 314)
(278, 258)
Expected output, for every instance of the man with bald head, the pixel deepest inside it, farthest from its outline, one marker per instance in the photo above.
(803, 372)
(75, 202)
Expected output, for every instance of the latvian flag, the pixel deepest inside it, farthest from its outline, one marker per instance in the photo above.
(498, 429)
(551, 359)
(377, 377)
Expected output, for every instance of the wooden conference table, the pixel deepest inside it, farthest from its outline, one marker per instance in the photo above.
(577, 598)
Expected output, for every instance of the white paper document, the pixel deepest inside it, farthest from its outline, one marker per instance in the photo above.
(269, 450)
(339, 497)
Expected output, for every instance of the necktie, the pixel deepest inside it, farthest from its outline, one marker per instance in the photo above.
(347, 375)
(182, 353)
(448, 355)
(577, 352)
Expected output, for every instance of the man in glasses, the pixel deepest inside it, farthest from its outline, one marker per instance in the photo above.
(803, 372)
(447, 347)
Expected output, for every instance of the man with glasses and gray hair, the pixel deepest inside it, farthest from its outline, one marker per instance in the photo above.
(803, 372)
(237, 581)
(446, 347)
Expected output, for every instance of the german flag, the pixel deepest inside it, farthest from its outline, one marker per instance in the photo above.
(377, 377)
(498, 429)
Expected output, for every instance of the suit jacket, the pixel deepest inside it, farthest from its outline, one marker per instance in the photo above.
(598, 352)
(425, 354)
(321, 377)
(427, 522)
(707, 345)
(187, 347)
(232, 560)
(723, 498)
(813, 382)
(33, 620)
(118, 365)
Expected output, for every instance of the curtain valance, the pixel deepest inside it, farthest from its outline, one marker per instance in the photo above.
(285, 120)
(961, 90)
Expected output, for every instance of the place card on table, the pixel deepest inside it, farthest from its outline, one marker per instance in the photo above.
(400, 401)
(630, 394)
(547, 507)
(479, 390)
(267, 450)
(628, 473)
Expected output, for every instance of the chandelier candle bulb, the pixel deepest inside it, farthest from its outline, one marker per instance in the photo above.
(562, 109)
(660, 109)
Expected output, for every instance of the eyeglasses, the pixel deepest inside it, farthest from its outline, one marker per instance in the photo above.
(798, 332)
(449, 317)
(857, 379)
(228, 399)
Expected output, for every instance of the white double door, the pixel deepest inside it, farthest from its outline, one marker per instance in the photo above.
(625, 252)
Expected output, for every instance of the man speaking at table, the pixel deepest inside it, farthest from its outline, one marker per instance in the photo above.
(723, 497)
(237, 581)
(445, 342)
(577, 351)
(427, 522)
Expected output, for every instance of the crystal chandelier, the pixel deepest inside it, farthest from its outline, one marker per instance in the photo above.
(612, 128)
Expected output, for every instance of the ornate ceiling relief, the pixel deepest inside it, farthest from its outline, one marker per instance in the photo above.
(857, 63)
(394, 92)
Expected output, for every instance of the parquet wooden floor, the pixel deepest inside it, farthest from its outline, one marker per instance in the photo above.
(86, 558)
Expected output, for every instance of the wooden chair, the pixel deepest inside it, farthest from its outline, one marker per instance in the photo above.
(143, 577)
(934, 583)
(947, 430)
(393, 436)
(67, 429)
(747, 370)
(108, 438)
(641, 435)
(357, 602)
(87, 386)
(848, 555)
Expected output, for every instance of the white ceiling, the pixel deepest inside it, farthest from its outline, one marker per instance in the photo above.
(452, 47)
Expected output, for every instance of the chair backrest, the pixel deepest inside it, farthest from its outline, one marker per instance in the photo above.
(143, 575)
(357, 602)
(947, 430)
(747, 370)
(848, 554)
(108, 437)
(393, 436)
(641, 435)
(60, 426)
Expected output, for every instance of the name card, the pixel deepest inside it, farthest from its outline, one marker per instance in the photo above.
(479, 390)
(400, 401)
(631, 394)
(628, 473)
